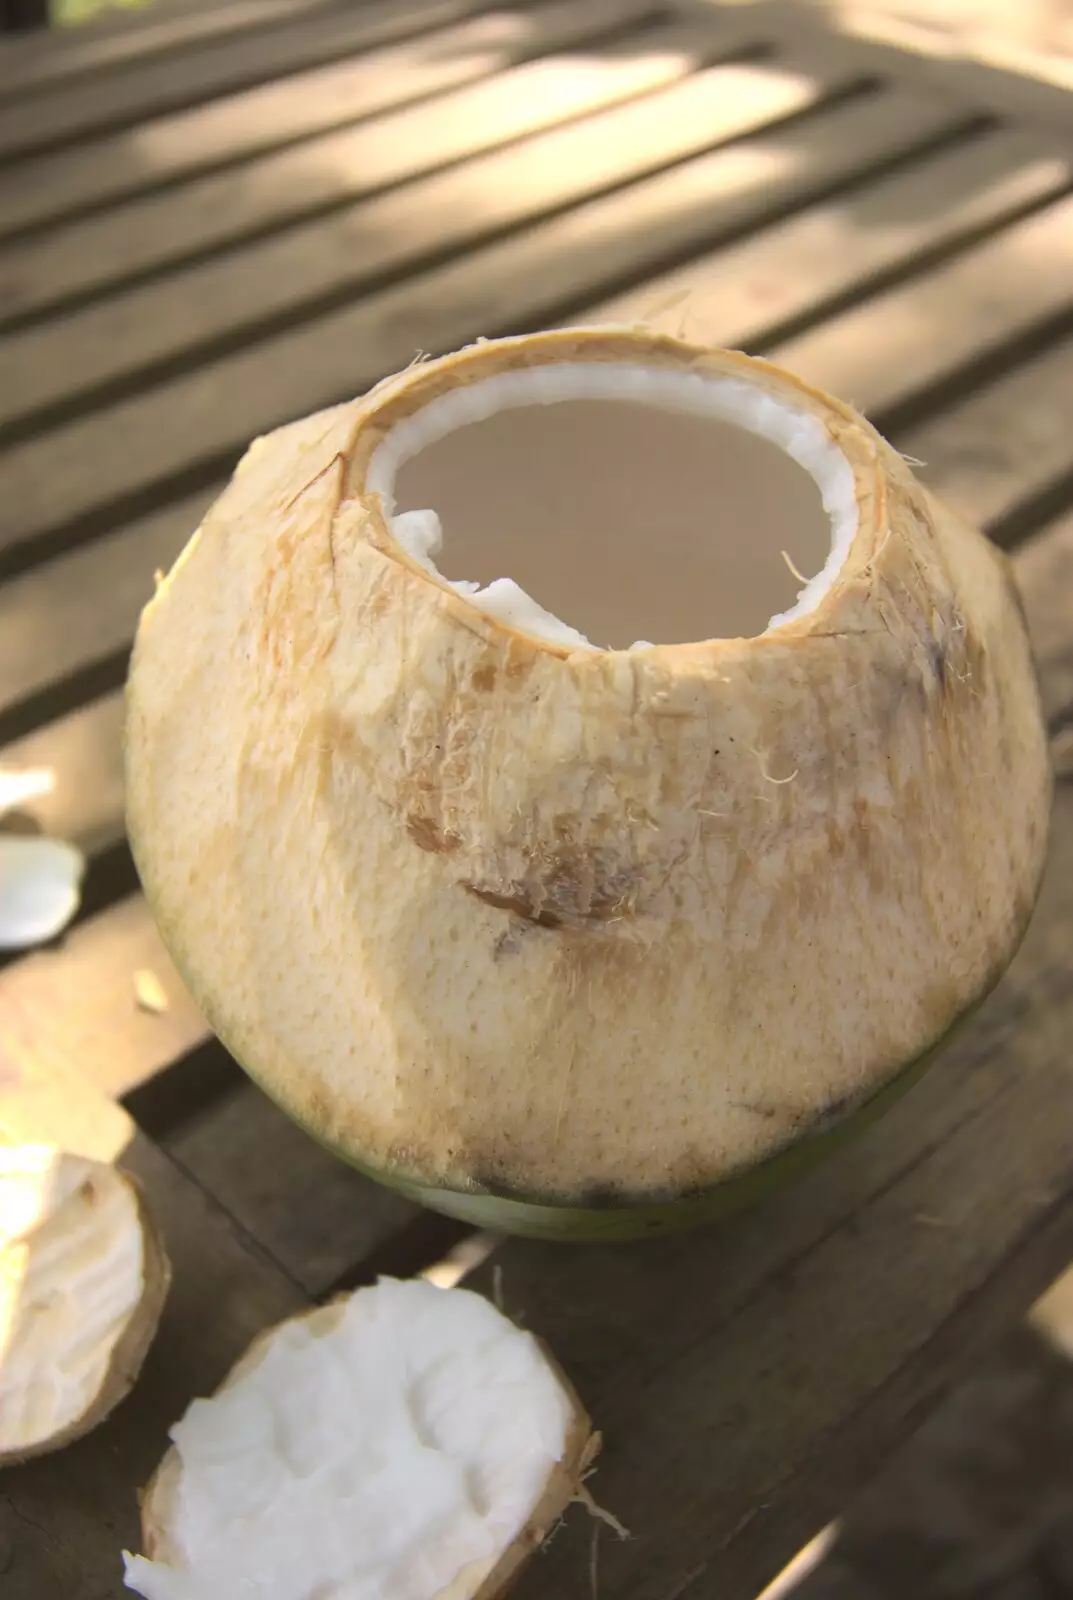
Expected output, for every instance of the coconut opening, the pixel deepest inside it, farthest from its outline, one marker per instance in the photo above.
(641, 503)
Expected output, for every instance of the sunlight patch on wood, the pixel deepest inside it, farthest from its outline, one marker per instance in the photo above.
(1052, 1315)
(803, 1563)
(463, 1260)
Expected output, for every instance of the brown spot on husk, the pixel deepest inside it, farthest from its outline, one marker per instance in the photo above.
(428, 835)
(572, 886)
(518, 904)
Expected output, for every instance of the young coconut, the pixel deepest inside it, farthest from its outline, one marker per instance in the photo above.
(83, 1278)
(403, 1443)
(565, 936)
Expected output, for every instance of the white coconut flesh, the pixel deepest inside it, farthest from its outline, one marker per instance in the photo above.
(494, 909)
(40, 881)
(648, 506)
(80, 1291)
(405, 1443)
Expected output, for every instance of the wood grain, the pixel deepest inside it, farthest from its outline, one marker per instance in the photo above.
(1013, 430)
(916, 334)
(47, 629)
(370, 153)
(129, 445)
(45, 1098)
(77, 1003)
(84, 753)
(315, 1216)
(114, 37)
(751, 294)
(273, 116)
(289, 274)
(122, 96)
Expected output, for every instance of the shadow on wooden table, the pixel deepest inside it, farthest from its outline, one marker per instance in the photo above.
(979, 1504)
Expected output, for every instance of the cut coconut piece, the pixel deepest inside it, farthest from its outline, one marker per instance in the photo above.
(83, 1278)
(40, 883)
(569, 939)
(403, 1443)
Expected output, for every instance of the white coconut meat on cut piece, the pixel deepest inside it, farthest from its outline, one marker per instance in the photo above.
(404, 1443)
(505, 909)
(83, 1277)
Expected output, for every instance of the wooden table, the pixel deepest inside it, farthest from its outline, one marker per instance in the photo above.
(216, 217)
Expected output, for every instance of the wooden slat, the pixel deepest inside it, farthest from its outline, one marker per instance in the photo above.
(916, 335)
(271, 116)
(221, 66)
(1045, 569)
(342, 166)
(84, 753)
(789, 271)
(112, 39)
(338, 254)
(1014, 430)
(314, 1215)
(78, 1005)
(1011, 91)
(46, 1099)
(981, 1489)
(215, 409)
(47, 630)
